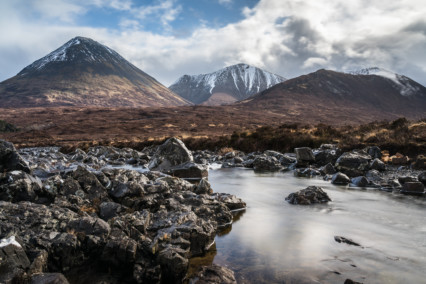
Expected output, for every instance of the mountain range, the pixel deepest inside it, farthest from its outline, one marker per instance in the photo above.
(84, 72)
(225, 86)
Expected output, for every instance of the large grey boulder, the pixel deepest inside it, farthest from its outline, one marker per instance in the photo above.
(353, 163)
(170, 154)
(10, 160)
(304, 156)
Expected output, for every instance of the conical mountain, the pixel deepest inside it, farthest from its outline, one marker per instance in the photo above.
(359, 96)
(84, 73)
(227, 85)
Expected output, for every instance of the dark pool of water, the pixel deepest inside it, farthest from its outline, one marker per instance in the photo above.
(276, 242)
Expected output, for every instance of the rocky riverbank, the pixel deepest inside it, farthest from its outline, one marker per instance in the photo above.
(113, 215)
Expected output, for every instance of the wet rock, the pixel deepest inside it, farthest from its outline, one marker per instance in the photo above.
(353, 163)
(189, 170)
(327, 153)
(420, 163)
(13, 260)
(327, 169)
(108, 210)
(308, 196)
(422, 177)
(340, 178)
(18, 186)
(306, 172)
(170, 154)
(349, 281)
(266, 164)
(90, 184)
(10, 160)
(340, 239)
(304, 156)
(230, 201)
(173, 263)
(214, 274)
(376, 164)
(49, 278)
(414, 188)
(361, 181)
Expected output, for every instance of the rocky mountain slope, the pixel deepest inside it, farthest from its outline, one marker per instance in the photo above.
(84, 72)
(329, 95)
(228, 85)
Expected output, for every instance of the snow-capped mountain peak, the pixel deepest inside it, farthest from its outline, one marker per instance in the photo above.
(237, 82)
(402, 82)
(78, 49)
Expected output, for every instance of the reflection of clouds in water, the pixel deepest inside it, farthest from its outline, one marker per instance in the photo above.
(273, 236)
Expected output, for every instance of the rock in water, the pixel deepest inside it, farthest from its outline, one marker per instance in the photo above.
(304, 156)
(340, 178)
(361, 181)
(215, 274)
(170, 154)
(340, 239)
(10, 160)
(307, 196)
(353, 163)
(413, 188)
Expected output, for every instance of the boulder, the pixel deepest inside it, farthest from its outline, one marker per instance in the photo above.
(13, 260)
(10, 160)
(422, 177)
(360, 181)
(203, 187)
(108, 210)
(189, 170)
(214, 274)
(414, 188)
(374, 151)
(308, 196)
(306, 172)
(399, 159)
(377, 164)
(420, 163)
(353, 163)
(304, 156)
(327, 169)
(403, 179)
(170, 154)
(340, 179)
(18, 186)
(327, 153)
(266, 164)
(90, 184)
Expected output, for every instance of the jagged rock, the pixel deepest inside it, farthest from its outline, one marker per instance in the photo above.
(189, 170)
(90, 184)
(353, 163)
(120, 251)
(90, 226)
(422, 177)
(49, 278)
(231, 201)
(340, 178)
(13, 260)
(376, 164)
(413, 188)
(306, 172)
(266, 164)
(327, 153)
(215, 274)
(307, 196)
(10, 160)
(18, 186)
(170, 154)
(108, 210)
(304, 156)
(340, 239)
(327, 169)
(79, 155)
(361, 181)
(174, 264)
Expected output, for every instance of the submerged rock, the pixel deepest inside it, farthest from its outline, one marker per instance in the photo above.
(340, 239)
(307, 196)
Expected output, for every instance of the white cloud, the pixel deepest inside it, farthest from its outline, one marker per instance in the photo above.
(286, 37)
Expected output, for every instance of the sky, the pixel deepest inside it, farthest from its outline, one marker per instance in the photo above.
(170, 38)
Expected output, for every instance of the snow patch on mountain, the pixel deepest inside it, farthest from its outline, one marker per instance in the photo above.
(402, 82)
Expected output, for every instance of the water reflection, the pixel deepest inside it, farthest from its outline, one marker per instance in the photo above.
(275, 242)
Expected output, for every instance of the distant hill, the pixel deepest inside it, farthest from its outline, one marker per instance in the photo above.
(84, 73)
(228, 85)
(325, 95)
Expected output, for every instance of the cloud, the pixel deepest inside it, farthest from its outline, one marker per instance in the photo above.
(286, 37)
(226, 3)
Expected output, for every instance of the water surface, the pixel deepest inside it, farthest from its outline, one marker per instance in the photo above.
(276, 242)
